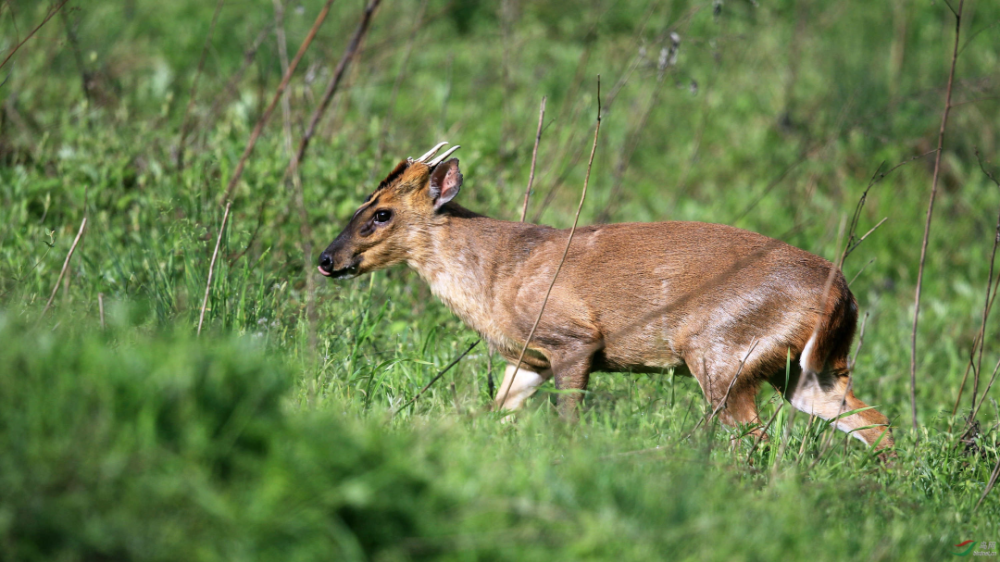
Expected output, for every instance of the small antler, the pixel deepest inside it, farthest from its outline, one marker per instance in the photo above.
(430, 152)
(441, 158)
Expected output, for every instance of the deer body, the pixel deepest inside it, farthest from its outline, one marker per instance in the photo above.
(633, 297)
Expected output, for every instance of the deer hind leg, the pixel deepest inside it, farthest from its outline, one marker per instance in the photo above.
(828, 394)
(514, 390)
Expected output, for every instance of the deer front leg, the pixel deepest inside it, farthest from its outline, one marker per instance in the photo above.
(514, 390)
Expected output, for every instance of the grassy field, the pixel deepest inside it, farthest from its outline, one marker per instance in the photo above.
(274, 434)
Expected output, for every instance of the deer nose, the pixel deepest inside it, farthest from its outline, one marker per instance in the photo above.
(326, 262)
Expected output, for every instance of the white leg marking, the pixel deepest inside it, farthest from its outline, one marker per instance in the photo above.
(525, 385)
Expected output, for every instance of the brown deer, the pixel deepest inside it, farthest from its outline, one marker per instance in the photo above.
(632, 297)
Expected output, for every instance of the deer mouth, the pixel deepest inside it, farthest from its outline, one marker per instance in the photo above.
(344, 272)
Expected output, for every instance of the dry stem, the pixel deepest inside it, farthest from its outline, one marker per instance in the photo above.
(927, 224)
(69, 256)
(436, 377)
(569, 240)
(29, 36)
(334, 83)
(534, 158)
(211, 266)
(238, 172)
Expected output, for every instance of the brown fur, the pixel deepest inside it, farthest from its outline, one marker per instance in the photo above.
(630, 297)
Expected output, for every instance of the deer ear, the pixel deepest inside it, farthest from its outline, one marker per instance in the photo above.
(445, 182)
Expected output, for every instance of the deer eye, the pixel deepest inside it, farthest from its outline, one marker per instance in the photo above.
(382, 216)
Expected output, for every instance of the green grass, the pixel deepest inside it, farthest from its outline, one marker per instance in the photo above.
(143, 441)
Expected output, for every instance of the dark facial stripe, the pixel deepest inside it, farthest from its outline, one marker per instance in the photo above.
(369, 201)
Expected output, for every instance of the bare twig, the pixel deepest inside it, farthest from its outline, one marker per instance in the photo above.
(569, 240)
(852, 241)
(33, 31)
(241, 165)
(860, 271)
(534, 158)
(976, 34)
(987, 306)
(211, 266)
(334, 83)
(69, 256)
(435, 379)
(255, 134)
(930, 212)
(185, 123)
(305, 231)
(989, 485)
(293, 167)
(975, 410)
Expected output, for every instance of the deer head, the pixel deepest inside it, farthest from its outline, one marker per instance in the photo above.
(393, 221)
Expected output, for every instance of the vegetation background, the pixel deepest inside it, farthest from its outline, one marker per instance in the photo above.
(274, 434)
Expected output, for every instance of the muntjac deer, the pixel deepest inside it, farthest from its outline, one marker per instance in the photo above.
(630, 297)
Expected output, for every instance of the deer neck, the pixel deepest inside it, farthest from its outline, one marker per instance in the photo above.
(456, 256)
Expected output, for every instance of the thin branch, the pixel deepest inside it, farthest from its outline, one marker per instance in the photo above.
(534, 158)
(930, 212)
(241, 165)
(975, 410)
(334, 83)
(860, 271)
(965, 377)
(69, 256)
(989, 485)
(238, 172)
(30, 35)
(100, 308)
(976, 34)
(436, 377)
(185, 123)
(569, 240)
(987, 306)
(877, 177)
(305, 231)
(211, 266)
(852, 247)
